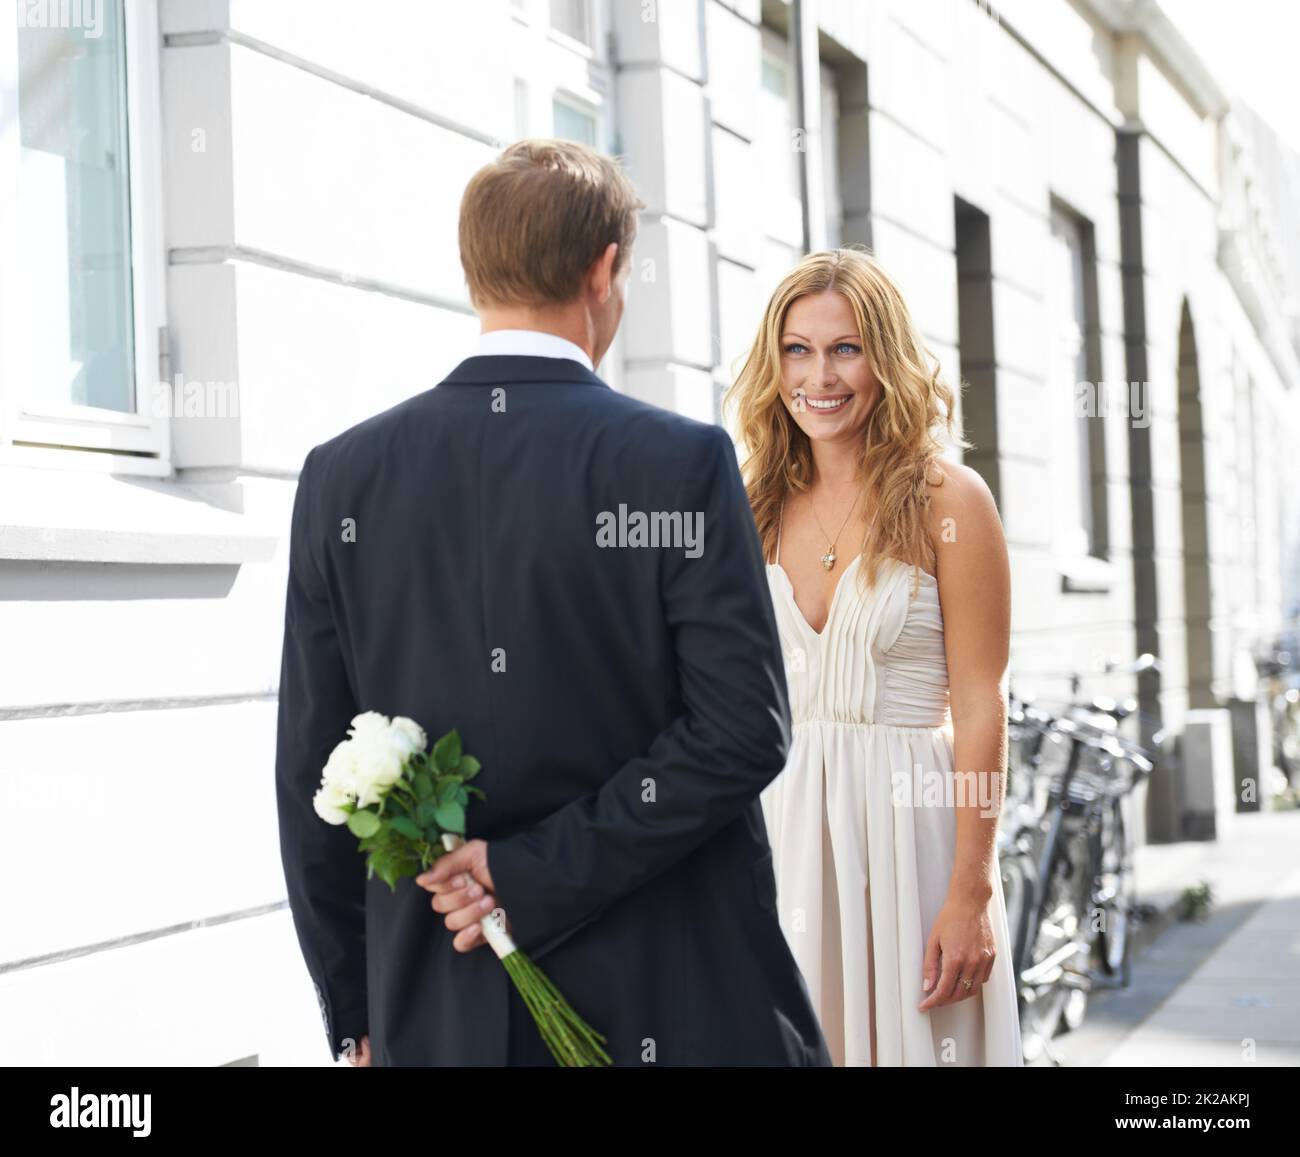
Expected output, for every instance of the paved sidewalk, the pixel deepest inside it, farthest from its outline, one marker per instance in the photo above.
(1224, 991)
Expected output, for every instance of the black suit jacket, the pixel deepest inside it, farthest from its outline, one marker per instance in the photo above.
(627, 703)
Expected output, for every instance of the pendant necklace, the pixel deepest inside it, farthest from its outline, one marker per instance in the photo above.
(828, 559)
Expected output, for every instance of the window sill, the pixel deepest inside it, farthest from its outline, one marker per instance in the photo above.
(65, 459)
(1086, 574)
(572, 44)
(50, 516)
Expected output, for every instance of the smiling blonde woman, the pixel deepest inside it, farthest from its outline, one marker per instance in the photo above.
(887, 874)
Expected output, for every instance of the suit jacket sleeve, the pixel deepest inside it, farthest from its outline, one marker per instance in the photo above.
(730, 740)
(323, 871)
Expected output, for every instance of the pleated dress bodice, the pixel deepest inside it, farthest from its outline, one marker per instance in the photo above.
(878, 659)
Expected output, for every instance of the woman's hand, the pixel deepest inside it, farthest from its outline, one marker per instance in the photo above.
(961, 948)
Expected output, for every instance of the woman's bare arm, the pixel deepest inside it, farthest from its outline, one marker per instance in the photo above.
(975, 598)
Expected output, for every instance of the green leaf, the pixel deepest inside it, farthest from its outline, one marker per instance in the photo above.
(446, 752)
(469, 767)
(406, 827)
(451, 818)
(425, 813)
(363, 823)
(423, 785)
(461, 795)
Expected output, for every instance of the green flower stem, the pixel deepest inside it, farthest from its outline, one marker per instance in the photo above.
(571, 1041)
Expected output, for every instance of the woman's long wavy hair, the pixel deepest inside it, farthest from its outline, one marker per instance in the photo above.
(897, 457)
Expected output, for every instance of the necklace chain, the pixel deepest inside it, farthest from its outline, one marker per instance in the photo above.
(828, 559)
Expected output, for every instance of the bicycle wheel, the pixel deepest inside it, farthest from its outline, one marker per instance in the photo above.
(1056, 960)
(1118, 887)
(1019, 892)
(1078, 988)
(1018, 882)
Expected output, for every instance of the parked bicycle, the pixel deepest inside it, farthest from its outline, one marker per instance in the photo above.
(1278, 665)
(1066, 854)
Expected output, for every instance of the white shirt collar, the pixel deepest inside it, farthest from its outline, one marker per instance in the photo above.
(531, 343)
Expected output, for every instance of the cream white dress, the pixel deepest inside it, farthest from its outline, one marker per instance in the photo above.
(862, 824)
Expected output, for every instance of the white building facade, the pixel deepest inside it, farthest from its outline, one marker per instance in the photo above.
(229, 232)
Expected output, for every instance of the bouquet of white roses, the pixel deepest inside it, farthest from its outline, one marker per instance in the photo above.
(407, 807)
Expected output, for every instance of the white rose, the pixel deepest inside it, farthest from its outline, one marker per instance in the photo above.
(367, 722)
(341, 767)
(328, 803)
(408, 733)
(379, 764)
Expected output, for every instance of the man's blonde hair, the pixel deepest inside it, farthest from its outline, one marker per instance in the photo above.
(533, 221)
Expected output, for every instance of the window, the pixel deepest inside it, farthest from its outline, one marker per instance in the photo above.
(976, 345)
(831, 158)
(76, 355)
(1068, 366)
(574, 123)
(573, 19)
(522, 119)
(776, 124)
(74, 204)
(778, 141)
(776, 77)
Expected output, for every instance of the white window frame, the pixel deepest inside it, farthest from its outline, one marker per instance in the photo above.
(591, 48)
(1072, 505)
(784, 223)
(38, 433)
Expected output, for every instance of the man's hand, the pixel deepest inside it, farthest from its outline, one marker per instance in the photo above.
(359, 1058)
(463, 891)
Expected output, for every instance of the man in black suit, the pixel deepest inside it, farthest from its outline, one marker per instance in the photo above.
(573, 580)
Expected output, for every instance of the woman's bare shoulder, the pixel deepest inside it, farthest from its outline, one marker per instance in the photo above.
(959, 501)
